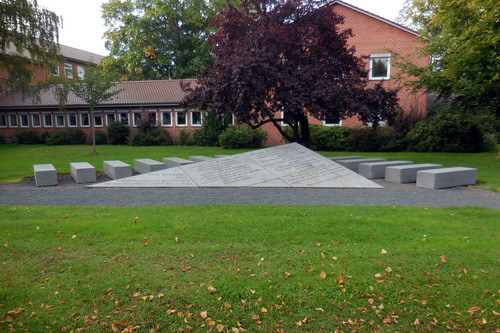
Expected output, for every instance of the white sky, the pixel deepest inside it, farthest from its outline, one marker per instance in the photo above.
(83, 26)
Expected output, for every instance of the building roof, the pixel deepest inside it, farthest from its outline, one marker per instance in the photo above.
(132, 93)
(67, 52)
(375, 16)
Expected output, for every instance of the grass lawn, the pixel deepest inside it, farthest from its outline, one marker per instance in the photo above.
(19, 159)
(249, 269)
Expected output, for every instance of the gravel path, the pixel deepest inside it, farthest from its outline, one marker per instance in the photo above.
(67, 193)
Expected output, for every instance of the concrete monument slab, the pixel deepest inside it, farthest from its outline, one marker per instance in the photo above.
(407, 173)
(83, 172)
(377, 169)
(446, 177)
(171, 162)
(145, 165)
(290, 165)
(354, 163)
(117, 169)
(200, 158)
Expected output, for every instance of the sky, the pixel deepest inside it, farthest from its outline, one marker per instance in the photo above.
(83, 26)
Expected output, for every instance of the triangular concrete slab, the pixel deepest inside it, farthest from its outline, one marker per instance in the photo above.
(290, 165)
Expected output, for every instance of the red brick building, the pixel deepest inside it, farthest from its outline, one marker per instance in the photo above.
(373, 37)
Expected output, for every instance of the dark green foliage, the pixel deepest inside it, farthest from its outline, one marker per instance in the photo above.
(404, 122)
(101, 138)
(29, 137)
(329, 138)
(366, 139)
(2, 139)
(149, 134)
(242, 137)
(446, 132)
(208, 135)
(66, 137)
(118, 133)
(185, 137)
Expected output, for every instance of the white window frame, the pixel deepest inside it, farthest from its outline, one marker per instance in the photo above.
(51, 120)
(162, 116)
(80, 72)
(10, 122)
(191, 119)
(381, 55)
(56, 71)
(21, 122)
(67, 67)
(55, 120)
(120, 117)
(39, 120)
(283, 117)
(6, 122)
(332, 124)
(98, 114)
(69, 122)
(177, 118)
(106, 116)
(134, 112)
(81, 121)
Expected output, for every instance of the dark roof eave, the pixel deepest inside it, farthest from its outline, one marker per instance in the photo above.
(81, 106)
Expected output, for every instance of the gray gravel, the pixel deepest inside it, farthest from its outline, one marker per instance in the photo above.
(67, 193)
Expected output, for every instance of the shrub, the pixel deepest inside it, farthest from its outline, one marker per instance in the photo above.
(446, 132)
(118, 133)
(365, 139)
(149, 134)
(242, 137)
(329, 138)
(208, 135)
(66, 137)
(29, 137)
(185, 137)
(2, 139)
(404, 122)
(101, 138)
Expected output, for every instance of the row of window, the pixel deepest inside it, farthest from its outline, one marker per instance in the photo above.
(68, 71)
(71, 119)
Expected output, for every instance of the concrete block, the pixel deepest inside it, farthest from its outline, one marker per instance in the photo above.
(407, 173)
(145, 165)
(83, 172)
(340, 158)
(221, 156)
(45, 174)
(354, 163)
(199, 158)
(117, 169)
(171, 162)
(377, 169)
(446, 177)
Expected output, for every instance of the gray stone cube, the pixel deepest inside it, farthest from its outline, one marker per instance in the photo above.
(200, 158)
(117, 169)
(83, 172)
(45, 174)
(340, 158)
(146, 165)
(354, 163)
(171, 162)
(377, 169)
(407, 173)
(446, 177)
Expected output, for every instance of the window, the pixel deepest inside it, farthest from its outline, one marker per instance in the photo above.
(59, 120)
(380, 66)
(332, 121)
(285, 115)
(137, 117)
(166, 118)
(80, 72)
(110, 117)
(25, 122)
(180, 118)
(47, 120)
(12, 120)
(72, 120)
(55, 71)
(35, 120)
(97, 119)
(124, 118)
(196, 118)
(153, 116)
(3, 120)
(84, 120)
(68, 71)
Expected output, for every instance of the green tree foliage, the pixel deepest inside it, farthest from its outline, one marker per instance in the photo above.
(158, 39)
(26, 31)
(463, 39)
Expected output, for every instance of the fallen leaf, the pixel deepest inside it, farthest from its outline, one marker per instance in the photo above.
(319, 309)
(204, 314)
(383, 251)
(443, 259)
(322, 275)
(211, 289)
(323, 255)
(416, 322)
(263, 310)
(74, 236)
(340, 278)
(388, 269)
(220, 328)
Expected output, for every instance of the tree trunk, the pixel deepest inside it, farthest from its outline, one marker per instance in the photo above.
(92, 129)
(305, 133)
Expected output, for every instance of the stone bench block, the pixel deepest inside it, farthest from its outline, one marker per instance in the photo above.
(407, 173)
(117, 169)
(446, 177)
(377, 169)
(83, 172)
(341, 158)
(145, 165)
(171, 162)
(353, 164)
(221, 156)
(200, 158)
(45, 174)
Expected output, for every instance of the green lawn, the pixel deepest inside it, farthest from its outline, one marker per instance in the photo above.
(19, 159)
(258, 268)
